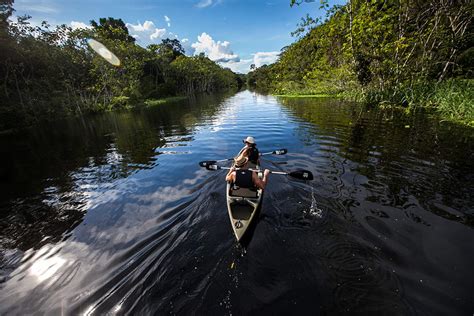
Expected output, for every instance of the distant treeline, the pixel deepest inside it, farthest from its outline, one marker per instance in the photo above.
(47, 73)
(404, 52)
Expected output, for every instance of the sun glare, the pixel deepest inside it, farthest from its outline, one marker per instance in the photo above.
(46, 268)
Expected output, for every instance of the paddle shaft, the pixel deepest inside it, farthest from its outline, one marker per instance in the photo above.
(256, 170)
(228, 168)
(230, 159)
(299, 174)
(275, 152)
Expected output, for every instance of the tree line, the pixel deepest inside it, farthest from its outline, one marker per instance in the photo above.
(50, 72)
(404, 52)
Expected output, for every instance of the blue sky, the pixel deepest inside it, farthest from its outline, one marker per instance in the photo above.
(235, 33)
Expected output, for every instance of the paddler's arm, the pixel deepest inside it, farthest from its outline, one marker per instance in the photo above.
(261, 183)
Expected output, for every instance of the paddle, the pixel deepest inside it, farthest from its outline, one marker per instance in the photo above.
(275, 152)
(298, 174)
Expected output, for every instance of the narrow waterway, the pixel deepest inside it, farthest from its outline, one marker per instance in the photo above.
(112, 214)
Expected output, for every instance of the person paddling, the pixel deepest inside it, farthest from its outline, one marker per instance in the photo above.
(244, 178)
(252, 152)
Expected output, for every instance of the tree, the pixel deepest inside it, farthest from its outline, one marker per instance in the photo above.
(174, 45)
(6, 10)
(47, 73)
(113, 29)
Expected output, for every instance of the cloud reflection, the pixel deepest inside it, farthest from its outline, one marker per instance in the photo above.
(45, 268)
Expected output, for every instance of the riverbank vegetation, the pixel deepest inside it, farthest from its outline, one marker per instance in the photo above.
(155, 102)
(48, 73)
(405, 53)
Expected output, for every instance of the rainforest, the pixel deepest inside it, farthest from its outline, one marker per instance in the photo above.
(385, 53)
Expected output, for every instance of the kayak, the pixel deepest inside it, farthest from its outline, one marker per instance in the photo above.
(242, 206)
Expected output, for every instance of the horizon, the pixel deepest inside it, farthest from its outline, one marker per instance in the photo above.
(233, 33)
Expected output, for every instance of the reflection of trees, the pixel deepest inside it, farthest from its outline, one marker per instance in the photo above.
(48, 172)
(324, 113)
(32, 223)
(412, 155)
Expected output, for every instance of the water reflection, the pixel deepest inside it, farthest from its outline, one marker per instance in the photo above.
(111, 214)
(390, 175)
(392, 155)
(54, 174)
(45, 268)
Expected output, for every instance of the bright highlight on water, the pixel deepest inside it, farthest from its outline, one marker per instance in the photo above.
(103, 51)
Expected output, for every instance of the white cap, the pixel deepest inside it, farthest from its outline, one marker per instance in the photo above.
(250, 140)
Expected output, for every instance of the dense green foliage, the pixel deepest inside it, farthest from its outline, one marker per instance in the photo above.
(403, 52)
(49, 72)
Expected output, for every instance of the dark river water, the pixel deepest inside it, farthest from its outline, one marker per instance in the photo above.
(112, 214)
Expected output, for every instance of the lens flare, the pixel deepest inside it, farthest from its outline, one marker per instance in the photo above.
(103, 51)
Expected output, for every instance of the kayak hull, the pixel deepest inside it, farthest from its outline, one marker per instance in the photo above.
(242, 206)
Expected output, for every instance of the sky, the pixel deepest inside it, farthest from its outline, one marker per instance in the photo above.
(234, 33)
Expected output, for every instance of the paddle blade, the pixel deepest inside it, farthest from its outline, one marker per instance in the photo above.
(280, 151)
(213, 167)
(302, 175)
(207, 163)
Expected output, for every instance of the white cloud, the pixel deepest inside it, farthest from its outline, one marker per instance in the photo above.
(204, 3)
(216, 51)
(159, 33)
(187, 46)
(168, 21)
(147, 32)
(207, 3)
(242, 66)
(265, 58)
(259, 59)
(221, 53)
(79, 25)
(147, 26)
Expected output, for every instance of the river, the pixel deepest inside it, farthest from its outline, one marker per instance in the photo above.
(112, 214)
